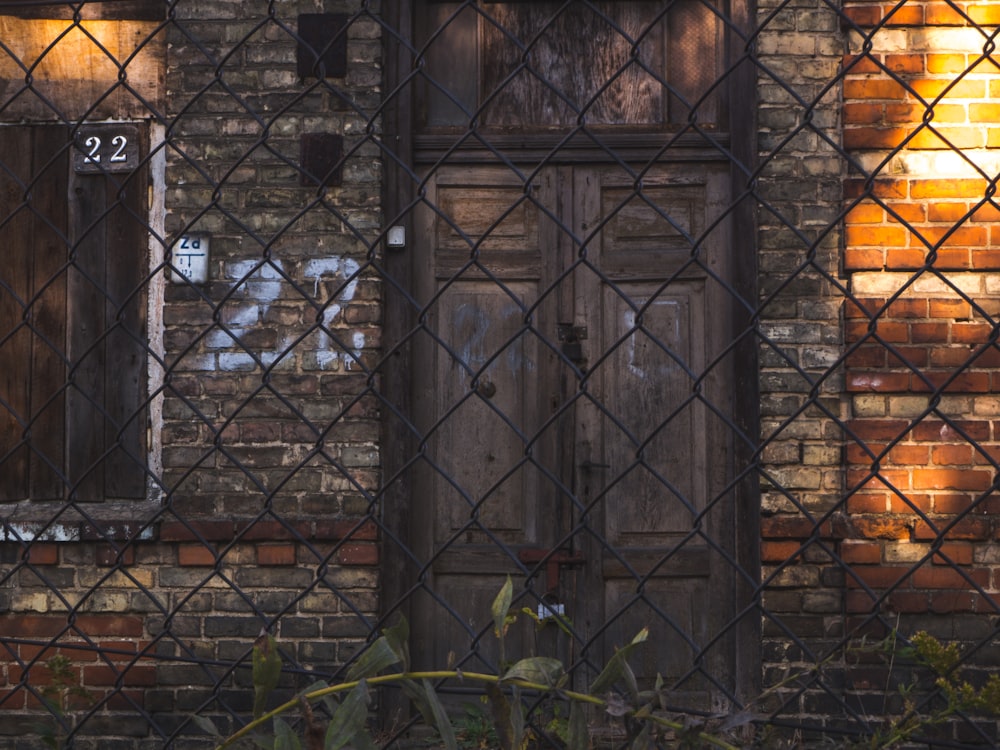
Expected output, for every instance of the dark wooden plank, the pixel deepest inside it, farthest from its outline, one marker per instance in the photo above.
(86, 339)
(580, 57)
(50, 156)
(15, 338)
(125, 320)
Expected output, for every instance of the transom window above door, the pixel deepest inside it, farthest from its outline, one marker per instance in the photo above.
(551, 65)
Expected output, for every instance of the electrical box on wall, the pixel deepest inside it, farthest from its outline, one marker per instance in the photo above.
(189, 258)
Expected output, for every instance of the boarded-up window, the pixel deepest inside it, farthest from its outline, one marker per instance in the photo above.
(555, 64)
(73, 250)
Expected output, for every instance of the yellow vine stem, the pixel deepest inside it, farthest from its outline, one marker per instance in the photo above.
(454, 674)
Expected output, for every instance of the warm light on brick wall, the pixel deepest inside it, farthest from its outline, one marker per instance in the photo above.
(921, 253)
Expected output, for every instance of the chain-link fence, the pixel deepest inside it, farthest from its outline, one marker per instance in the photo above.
(315, 316)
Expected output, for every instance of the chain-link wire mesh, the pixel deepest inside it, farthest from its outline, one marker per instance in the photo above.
(314, 316)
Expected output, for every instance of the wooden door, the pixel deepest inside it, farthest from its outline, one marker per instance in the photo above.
(572, 391)
(72, 318)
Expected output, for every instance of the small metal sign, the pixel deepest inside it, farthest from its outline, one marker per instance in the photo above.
(189, 258)
(110, 147)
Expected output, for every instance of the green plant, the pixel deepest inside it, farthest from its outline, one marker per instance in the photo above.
(959, 695)
(563, 714)
(505, 725)
(62, 696)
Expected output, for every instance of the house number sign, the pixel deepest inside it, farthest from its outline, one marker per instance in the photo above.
(111, 147)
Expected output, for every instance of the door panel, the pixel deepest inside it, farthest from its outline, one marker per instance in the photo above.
(572, 332)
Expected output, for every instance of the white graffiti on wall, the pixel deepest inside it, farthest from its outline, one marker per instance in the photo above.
(260, 288)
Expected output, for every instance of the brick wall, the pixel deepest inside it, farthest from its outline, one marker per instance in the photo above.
(801, 379)
(920, 256)
(269, 440)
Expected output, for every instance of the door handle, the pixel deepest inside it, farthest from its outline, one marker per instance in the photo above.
(589, 465)
(554, 559)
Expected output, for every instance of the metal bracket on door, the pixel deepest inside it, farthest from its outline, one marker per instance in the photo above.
(554, 560)
(570, 337)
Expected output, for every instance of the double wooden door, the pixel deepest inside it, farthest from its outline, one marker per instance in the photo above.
(572, 391)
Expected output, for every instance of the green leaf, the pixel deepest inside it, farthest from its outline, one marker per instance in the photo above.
(501, 606)
(206, 725)
(440, 717)
(284, 737)
(398, 638)
(266, 671)
(543, 670)
(373, 660)
(578, 736)
(617, 668)
(642, 740)
(349, 719)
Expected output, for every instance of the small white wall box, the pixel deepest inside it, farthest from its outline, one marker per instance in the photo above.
(396, 237)
(189, 258)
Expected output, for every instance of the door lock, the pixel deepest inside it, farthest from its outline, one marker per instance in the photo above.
(570, 337)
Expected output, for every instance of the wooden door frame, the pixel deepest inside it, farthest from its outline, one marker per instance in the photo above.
(399, 193)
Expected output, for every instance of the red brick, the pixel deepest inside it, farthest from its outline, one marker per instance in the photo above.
(106, 556)
(878, 430)
(906, 356)
(911, 213)
(882, 188)
(120, 625)
(135, 676)
(951, 212)
(877, 382)
(932, 88)
(935, 430)
(276, 554)
(190, 555)
(37, 626)
(903, 14)
(947, 138)
(874, 138)
(988, 212)
(790, 527)
(876, 577)
(954, 553)
(776, 552)
(952, 455)
(865, 213)
(860, 553)
(863, 259)
(985, 259)
(876, 236)
(867, 356)
(909, 63)
(950, 382)
(863, 113)
(358, 554)
(971, 333)
(908, 602)
(948, 188)
(985, 14)
(906, 258)
(881, 527)
(971, 529)
(951, 479)
(945, 62)
(943, 14)
(929, 577)
(944, 602)
(950, 308)
(908, 455)
(863, 15)
(41, 553)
